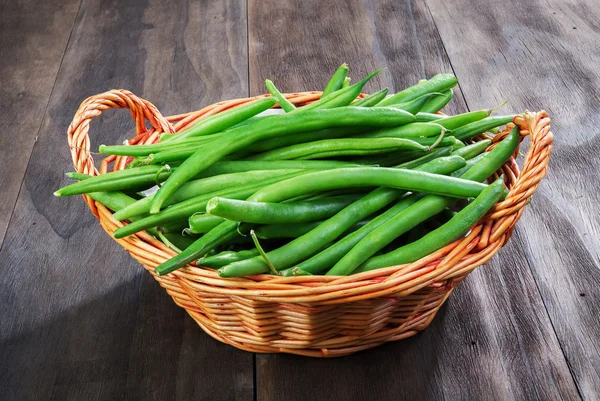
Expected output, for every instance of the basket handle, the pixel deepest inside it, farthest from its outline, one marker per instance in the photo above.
(78, 132)
(505, 214)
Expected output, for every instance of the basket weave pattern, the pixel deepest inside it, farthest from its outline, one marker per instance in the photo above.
(312, 315)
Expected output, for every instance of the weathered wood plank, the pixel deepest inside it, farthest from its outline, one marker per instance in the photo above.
(494, 340)
(33, 38)
(80, 319)
(544, 55)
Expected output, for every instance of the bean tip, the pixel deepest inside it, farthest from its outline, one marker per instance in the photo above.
(58, 194)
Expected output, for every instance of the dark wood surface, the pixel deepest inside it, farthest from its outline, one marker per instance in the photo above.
(81, 320)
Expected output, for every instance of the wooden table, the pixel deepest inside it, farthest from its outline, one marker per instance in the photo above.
(80, 320)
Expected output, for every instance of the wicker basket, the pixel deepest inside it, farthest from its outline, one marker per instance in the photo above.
(317, 316)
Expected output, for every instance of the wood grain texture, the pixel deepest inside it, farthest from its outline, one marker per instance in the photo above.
(544, 55)
(80, 319)
(494, 340)
(299, 44)
(33, 38)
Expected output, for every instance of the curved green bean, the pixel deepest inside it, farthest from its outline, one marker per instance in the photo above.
(285, 104)
(337, 80)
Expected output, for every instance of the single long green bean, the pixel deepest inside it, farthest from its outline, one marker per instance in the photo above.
(345, 146)
(226, 257)
(454, 122)
(470, 151)
(479, 127)
(428, 117)
(410, 131)
(288, 140)
(277, 213)
(95, 184)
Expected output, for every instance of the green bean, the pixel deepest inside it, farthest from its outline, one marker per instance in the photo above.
(77, 176)
(170, 228)
(420, 211)
(271, 231)
(98, 183)
(444, 235)
(238, 166)
(410, 131)
(285, 104)
(276, 213)
(272, 126)
(116, 201)
(203, 186)
(182, 210)
(202, 223)
(396, 158)
(428, 117)
(342, 97)
(438, 83)
(458, 145)
(176, 241)
(479, 127)
(434, 154)
(410, 180)
(282, 141)
(337, 80)
(346, 82)
(372, 100)
(437, 102)
(226, 257)
(470, 151)
(328, 231)
(337, 147)
(329, 256)
(127, 184)
(454, 122)
(470, 163)
(145, 150)
(412, 106)
(229, 118)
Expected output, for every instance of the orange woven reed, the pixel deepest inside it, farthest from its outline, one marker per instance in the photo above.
(317, 316)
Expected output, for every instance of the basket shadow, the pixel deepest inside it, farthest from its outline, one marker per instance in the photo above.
(131, 343)
(405, 369)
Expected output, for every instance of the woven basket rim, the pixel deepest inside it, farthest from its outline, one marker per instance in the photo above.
(443, 268)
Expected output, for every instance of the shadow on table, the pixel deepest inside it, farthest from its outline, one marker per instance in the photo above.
(134, 343)
(417, 368)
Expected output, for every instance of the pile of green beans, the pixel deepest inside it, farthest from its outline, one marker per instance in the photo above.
(342, 185)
